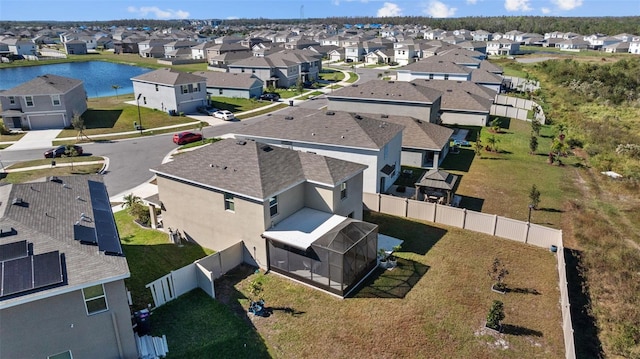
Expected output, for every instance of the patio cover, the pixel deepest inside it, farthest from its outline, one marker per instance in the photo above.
(438, 179)
(304, 227)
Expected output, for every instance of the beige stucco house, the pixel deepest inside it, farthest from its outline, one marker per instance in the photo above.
(296, 213)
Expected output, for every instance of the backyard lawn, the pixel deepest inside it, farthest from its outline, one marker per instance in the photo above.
(499, 182)
(433, 304)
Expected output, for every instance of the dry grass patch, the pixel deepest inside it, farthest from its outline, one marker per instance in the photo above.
(431, 306)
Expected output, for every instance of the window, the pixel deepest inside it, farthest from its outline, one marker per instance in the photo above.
(157, 88)
(55, 99)
(430, 76)
(343, 190)
(229, 204)
(12, 100)
(94, 299)
(446, 76)
(386, 151)
(273, 206)
(220, 91)
(65, 355)
(29, 101)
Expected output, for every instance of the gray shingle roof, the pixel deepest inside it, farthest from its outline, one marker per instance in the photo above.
(255, 170)
(394, 91)
(422, 134)
(229, 80)
(44, 85)
(168, 76)
(436, 66)
(335, 128)
(461, 95)
(47, 222)
(485, 77)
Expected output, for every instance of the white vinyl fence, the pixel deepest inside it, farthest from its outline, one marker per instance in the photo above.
(199, 274)
(514, 107)
(533, 234)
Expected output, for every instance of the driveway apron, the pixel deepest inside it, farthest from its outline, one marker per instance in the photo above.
(34, 140)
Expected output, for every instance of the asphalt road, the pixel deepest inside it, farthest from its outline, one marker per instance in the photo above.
(130, 159)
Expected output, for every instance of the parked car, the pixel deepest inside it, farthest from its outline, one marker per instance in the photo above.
(207, 110)
(186, 137)
(270, 96)
(224, 115)
(61, 150)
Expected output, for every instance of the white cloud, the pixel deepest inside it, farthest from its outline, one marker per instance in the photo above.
(567, 4)
(517, 5)
(472, 2)
(545, 10)
(337, 2)
(389, 9)
(439, 9)
(145, 11)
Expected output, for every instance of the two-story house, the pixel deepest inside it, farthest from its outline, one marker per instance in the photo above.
(234, 85)
(62, 271)
(434, 69)
(502, 47)
(281, 69)
(170, 90)
(353, 137)
(48, 101)
(297, 214)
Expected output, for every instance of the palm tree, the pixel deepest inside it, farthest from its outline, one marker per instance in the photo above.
(116, 87)
(130, 201)
(493, 141)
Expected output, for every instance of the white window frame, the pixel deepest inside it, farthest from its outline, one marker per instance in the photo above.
(27, 100)
(229, 202)
(103, 295)
(54, 99)
(12, 100)
(58, 356)
(343, 190)
(273, 205)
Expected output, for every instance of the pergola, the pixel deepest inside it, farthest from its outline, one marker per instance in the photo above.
(436, 186)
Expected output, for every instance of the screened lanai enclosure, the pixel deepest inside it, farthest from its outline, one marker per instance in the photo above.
(327, 251)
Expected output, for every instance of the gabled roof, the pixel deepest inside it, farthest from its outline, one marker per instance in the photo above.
(168, 76)
(335, 128)
(44, 85)
(488, 66)
(387, 91)
(481, 76)
(47, 219)
(255, 170)
(436, 66)
(422, 134)
(456, 95)
(229, 80)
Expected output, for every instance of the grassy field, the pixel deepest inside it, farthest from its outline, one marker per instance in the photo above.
(47, 161)
(21, 177)
(432, 305)
(150, 256)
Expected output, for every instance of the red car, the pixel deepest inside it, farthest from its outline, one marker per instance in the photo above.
(186, 137)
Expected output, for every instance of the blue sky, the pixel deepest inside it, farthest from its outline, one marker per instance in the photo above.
(102, 10)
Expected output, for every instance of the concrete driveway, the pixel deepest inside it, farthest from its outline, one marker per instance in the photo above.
(34, 140)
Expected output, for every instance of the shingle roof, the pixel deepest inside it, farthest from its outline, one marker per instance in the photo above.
(394, 91)
(255, 170)
(457, 97)
(336, 128)
(466, 86)
(436, 66)
(485, 77)
(44, 85)
(422, 134)
(168, 76)
(47, 222)
(229, 80)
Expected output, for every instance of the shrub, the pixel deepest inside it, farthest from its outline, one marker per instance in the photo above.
(496, 315)
(141, 214)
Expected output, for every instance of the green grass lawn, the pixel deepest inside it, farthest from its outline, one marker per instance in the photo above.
(353, 77)
(499, 182)
(47, 161)
(21, 177)
(262, 112)
(235, 104)
(150, 256)
(329, 74)
(433, 304)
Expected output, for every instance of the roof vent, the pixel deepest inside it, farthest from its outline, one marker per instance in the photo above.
(354, 85)
(241, 143)
(288, 118)
(330, 113)
(342, 136)
(266, 149)
(384, 116)
(18, 201)
(55, 179)
(358, 117)
(449, 90)
(7, 231)
(392, 82)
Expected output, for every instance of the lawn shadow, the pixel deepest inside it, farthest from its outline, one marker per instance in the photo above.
(523, 291)
(471, 203)
(551, 210)
(518, 330)
(585, 331)
(459, 162)
(101, 118)
(418, 237)
(394, 283)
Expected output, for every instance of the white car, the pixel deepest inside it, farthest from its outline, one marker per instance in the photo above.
(224, 115)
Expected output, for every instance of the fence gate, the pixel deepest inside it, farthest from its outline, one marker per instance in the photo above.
(162, 290)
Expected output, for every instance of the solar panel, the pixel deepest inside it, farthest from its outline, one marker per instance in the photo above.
(31, 272)
(47, 269)
(86, 235)
(106, 231)
(14, 250)
(17, 276)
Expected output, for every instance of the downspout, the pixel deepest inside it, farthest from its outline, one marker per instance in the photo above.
(117, 333)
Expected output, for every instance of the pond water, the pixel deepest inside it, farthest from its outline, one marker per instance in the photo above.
(98, 76)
